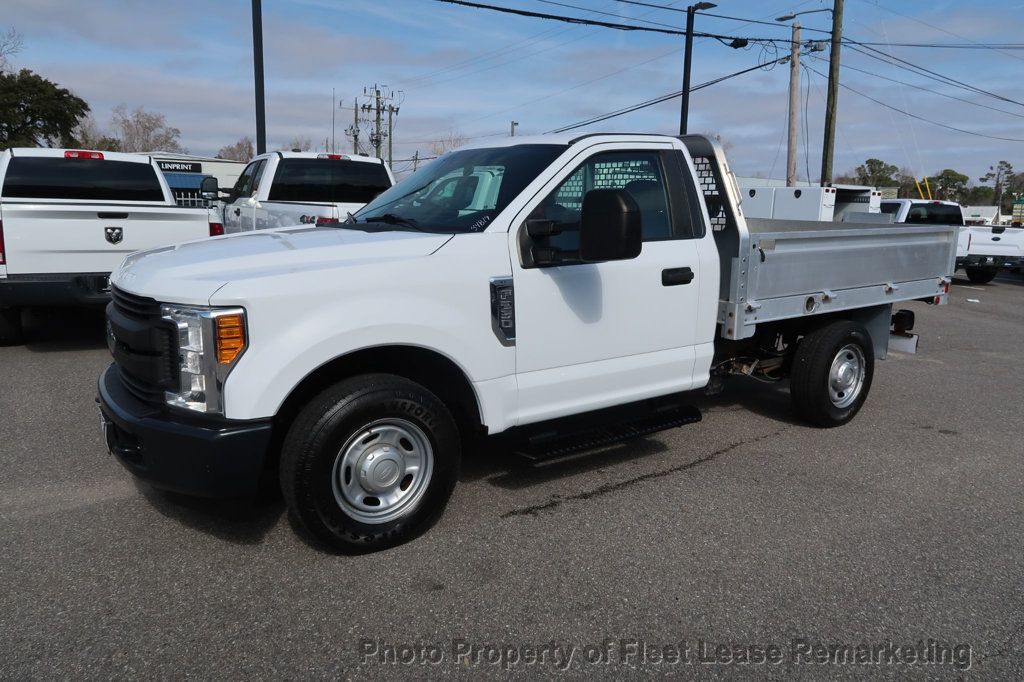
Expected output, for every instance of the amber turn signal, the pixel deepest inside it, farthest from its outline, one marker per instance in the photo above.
(230, 338)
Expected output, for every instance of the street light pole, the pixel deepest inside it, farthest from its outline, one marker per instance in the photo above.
(684, 110)
(257, 64)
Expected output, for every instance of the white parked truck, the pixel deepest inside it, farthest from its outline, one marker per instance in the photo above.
(68, 217)
(602, 278)
(982, 249)
(282, 189)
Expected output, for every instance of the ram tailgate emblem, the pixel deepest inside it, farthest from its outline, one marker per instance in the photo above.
(114, 235)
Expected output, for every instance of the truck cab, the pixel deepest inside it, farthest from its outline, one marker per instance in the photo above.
(280, 189)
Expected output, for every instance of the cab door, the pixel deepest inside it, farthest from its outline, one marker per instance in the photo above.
(239, 211)
(591, 335)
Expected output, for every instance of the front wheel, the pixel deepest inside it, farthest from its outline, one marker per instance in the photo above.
(10, 326)
(832, 371)
(370, 462)
(980, 274)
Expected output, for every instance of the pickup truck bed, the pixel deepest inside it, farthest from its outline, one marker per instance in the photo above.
(774, 270)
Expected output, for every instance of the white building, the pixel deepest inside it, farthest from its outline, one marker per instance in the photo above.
(184, 172)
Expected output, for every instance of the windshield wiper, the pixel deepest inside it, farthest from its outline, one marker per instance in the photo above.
(392, 219)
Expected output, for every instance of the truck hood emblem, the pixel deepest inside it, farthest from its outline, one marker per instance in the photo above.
(114, 235)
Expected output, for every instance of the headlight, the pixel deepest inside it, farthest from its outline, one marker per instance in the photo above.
(210, 341)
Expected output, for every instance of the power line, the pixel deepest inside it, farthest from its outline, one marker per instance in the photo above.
(922, 88)
(607, 14)
(920, 70)
(775, 24)
(658, 100)
(604, 24)
(921, 118)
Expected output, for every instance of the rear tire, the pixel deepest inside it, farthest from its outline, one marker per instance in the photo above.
(371, 462)
(831, 375)
(11, 330)
(980, 274)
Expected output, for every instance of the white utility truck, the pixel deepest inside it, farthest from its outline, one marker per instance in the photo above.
(605, 276)
(283, 189)
(982, 249)
(69, 216)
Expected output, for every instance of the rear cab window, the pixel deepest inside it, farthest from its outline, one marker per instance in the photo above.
(45, 177)
(934, 214)
(328, 181)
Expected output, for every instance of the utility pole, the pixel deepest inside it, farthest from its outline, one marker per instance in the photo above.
(515, 124)
(379, 104)
(354, 130)
(391, 111)
(416, 161)
(334, 107)
(257, 64)
(828, 146)
(684, 111)
(794, 106)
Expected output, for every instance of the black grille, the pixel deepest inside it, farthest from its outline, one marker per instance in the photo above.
(143, 344)
(133, 305)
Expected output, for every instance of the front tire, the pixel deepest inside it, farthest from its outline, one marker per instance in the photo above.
(371, 462)
(832, 371)
(11, 330)
(980, 274)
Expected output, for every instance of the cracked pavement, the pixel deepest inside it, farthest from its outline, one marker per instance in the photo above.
(745, 529)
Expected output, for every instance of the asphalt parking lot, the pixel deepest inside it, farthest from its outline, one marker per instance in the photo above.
(746, 530)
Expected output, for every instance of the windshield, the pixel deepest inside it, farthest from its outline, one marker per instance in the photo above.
(459, 192)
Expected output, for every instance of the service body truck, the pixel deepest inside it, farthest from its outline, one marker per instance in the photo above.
(982, 250)
(68, 217)
(606, 276)
(283, 189)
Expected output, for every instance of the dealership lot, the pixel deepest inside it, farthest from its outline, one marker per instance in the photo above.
(747, 530)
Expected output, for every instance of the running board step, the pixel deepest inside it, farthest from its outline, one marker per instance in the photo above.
(544, 447)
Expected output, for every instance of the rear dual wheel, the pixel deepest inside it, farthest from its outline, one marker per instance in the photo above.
(370, 462)
(981, 274)
(831, 375)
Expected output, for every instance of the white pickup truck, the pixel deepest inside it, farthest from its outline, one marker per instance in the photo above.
(982, 250)
(283, 189)
(354, 363)
(68, 217)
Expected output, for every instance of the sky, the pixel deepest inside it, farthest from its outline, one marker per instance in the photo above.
(470, 72)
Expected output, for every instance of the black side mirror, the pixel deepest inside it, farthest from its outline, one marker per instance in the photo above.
(609, 226)
(209, 188)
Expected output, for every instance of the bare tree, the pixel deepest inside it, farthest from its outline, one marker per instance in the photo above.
(450, 140)
(298, 143)
(89, 136)
(11, 43)
(144, 131)
(239, 151)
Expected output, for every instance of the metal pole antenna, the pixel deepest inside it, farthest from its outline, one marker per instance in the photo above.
(257, 63)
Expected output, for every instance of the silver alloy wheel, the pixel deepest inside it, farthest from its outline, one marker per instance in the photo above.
(383, 470)
(846, 376)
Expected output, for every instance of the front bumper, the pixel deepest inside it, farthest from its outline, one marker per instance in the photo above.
(196, 455)
(77, 288)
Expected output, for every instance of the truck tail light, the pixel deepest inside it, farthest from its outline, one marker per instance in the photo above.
(332, 157)
(216, 229)
(321, 222)
(230, 338)
(2, 259)
(82, 154)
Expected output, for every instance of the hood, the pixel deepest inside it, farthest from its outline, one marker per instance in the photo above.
(191, 272)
